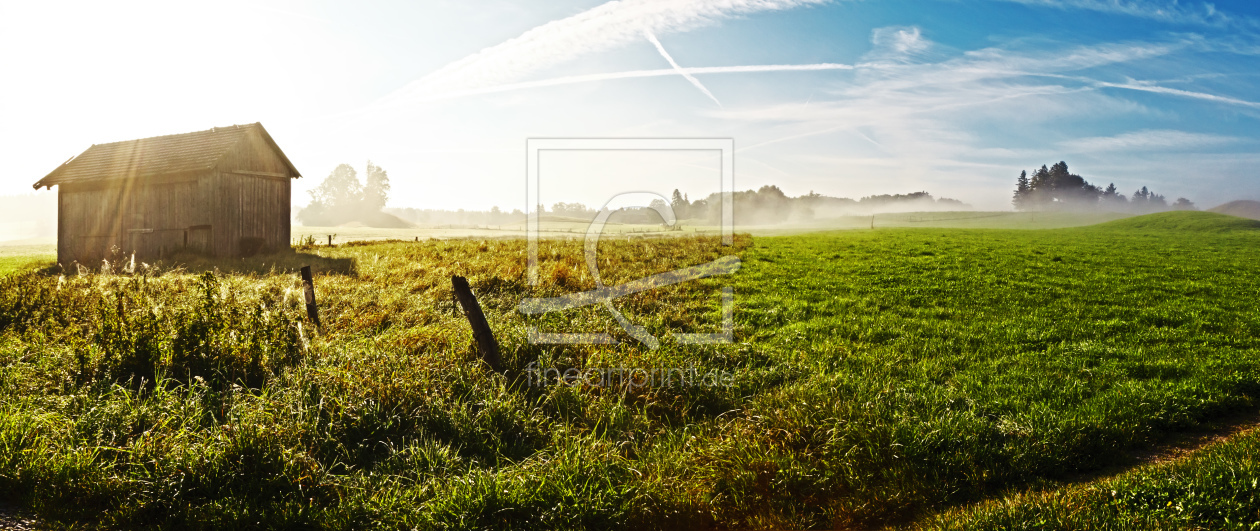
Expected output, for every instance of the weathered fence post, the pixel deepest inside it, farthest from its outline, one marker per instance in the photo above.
(308, 288)
(330, 240)
(486, 345)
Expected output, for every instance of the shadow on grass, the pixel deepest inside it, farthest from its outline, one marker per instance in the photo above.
(282, 262)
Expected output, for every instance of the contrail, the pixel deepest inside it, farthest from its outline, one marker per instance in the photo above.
(679, 69)
(629, 74)
(607, 26)
(1186, 93)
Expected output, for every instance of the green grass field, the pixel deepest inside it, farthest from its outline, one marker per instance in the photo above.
(21, 257)
(929, 378)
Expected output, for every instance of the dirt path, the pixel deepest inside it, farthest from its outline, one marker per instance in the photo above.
(1175, 447)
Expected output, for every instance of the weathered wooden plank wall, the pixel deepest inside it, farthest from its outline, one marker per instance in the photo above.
(253, 197)
(246, 196)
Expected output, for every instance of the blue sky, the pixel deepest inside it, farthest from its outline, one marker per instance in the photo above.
(846, 98)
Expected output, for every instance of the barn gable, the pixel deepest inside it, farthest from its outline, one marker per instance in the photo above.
(162, 156)
(222, 192)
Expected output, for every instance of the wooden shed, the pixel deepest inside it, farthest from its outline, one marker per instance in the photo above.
(221, 192)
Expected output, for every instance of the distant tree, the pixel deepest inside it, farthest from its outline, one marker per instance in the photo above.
(335, 200)
(1054, 187)
(767, 205)
(1023, 193)
(698, 209)
(376, 189)
(1147, 201)
(341, 197)
(1110, 192)
(1183, 204)
(1111, 198)
(679, 204)
(1069, 188)
(570, 209)
(341, 189)
(1038, 189)
(883, 199)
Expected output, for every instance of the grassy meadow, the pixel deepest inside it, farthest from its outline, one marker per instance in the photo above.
(22, 257)
(904, 377)
(564, 227)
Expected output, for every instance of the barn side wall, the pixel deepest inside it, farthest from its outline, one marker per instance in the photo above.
(149, 219)
(252, 199)
(250, 207)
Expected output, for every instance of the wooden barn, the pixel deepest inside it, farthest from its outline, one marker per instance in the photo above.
(222, 192)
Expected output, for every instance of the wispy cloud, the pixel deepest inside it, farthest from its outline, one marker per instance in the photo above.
(971, 117)
(994, 82)
(909, 111)
(897, 44)
(1199, 13)
(935, 118)
(607, 26)
(1147, 140)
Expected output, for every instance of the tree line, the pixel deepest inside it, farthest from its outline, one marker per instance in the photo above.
(342, 198)
(769, 205)
(1056, 188)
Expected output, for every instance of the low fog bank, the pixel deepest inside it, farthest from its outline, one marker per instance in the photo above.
(436, 218)
(767, 205)
(28, 217)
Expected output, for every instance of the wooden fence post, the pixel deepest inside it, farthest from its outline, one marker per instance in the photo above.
(486, 345)
(308, 288)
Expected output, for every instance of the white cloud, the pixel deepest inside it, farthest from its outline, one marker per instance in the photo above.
(897, 43)
(1148, 140)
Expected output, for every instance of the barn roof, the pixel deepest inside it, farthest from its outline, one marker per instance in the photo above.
(156, 156)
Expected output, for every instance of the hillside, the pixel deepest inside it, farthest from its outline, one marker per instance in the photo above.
(379, 220)
(1184, 220)
(1243, 209)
